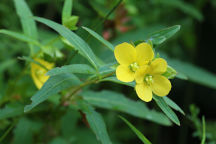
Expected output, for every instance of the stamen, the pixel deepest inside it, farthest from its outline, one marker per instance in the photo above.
(133, 67)
(148, 79)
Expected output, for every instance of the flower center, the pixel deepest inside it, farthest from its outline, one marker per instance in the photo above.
(148, 79)
(133, 67)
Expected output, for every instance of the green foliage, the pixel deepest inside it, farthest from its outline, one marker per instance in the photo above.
(74, 68)
(28, 24)
(95, 122)
(203, 131)
(75, 88)
(136, 131)
(19, 36)
(74, 39)
(101, 39)
(52, 86)
(162, 35)
(116, 101)
(68, 20)
(166, 109)
(173, 105)
(193, 73)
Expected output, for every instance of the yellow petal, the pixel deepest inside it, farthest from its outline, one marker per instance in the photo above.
(161, 86)
(158, 66)
(144, 53)
(125, 53)
(123, 73)
(140, 74)
(38, 72)
(144, 92)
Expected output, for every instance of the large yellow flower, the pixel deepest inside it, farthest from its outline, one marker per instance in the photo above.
(38, 72)
(149, 79)
(131, 59)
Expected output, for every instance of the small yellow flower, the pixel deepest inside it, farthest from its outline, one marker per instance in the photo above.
(131, 59)
(38, 72)
(149, 79)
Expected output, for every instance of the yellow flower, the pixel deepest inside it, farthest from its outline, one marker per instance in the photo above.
(38, 72)
(149, 79)
(131, 59)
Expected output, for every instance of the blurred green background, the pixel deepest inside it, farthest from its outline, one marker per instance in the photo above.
(132, 20)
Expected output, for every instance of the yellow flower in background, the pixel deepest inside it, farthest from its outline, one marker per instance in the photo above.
(38, 72)
(149, 79)
(131, 59)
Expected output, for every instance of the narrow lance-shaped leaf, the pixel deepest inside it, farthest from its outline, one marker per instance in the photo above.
(203, 130)
(100, 38)
(173, 105)
(20, 36)
(162, 35)
(28, 24)
(68, 20)
(161, 103)
(194, 73)
(166, 109)
(78, 43)
(2, 137)
(52, 86)
(115, 80)
(73, 68)
(96, 122)
(136, 131)
(67, 9)
(117, 101)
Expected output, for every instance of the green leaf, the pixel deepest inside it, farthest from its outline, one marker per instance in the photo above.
(164, 34)
(181, 76)
(96, 122)
(100, 38)
(115, 80)
(116, 101)
(69, 123)
(71, 22)
(194, 73)
(166, 109)
(11, 110)
(23, 133)
(73, 68)
(28, 24)
(20, 36)
(170, 72)
(52, 86)
(136, 131)
(68, 20)
(203, 130)
(173, 105)
(103, 70)
(107, 68)
(78, 43)
(161, 103)
(67, 9)
(2, 137)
